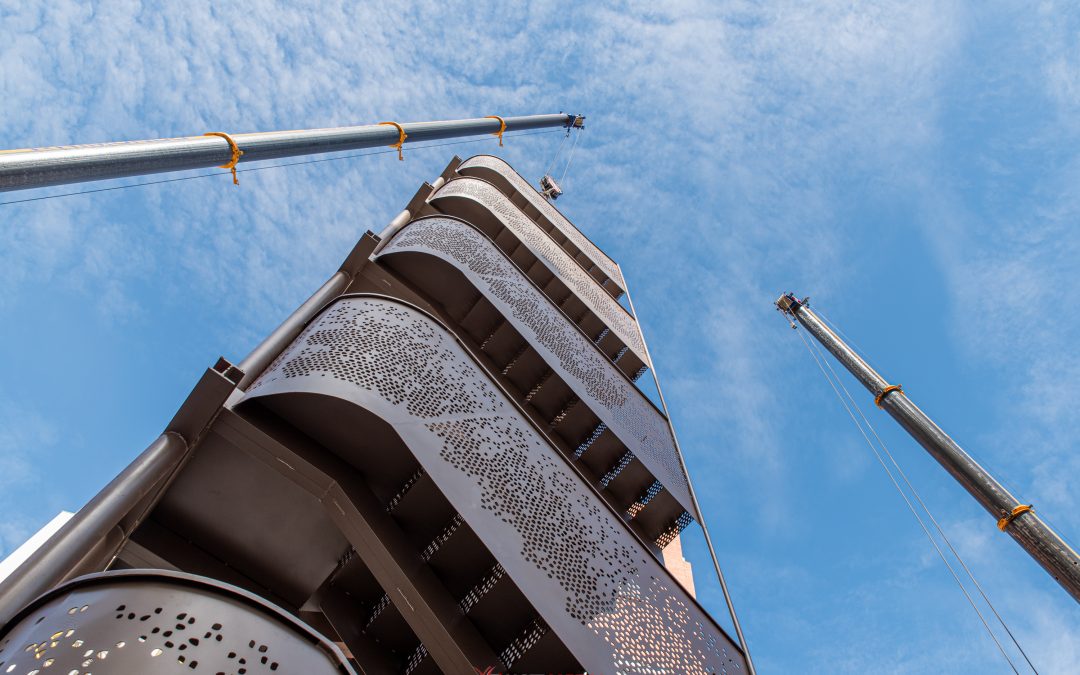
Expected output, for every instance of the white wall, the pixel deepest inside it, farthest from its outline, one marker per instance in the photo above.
(8, 564)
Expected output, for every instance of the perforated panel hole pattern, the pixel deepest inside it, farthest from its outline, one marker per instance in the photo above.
(152, 630)
(574, 559)
(599, 258)
(592, 376)
(558, 260)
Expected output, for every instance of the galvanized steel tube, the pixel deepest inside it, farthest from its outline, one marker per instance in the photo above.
(40, 167)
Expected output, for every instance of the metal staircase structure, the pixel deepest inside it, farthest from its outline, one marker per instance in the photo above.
(439, 463)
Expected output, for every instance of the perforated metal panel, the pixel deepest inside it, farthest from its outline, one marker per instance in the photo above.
(161, 622)
(599, 258)
(592, 376)
(607, 598)
(552, 255)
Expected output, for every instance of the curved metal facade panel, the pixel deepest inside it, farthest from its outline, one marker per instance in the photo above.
(607, 308)
(592, 376)
(599, 258)
(151, 622)
(609, 600)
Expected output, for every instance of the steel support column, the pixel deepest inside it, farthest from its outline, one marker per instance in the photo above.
(693, 498)
(395, 225)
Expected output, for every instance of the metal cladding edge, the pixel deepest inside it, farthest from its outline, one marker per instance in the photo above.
(574, 558)
(607, 391)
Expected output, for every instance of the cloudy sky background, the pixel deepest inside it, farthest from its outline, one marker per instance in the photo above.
(912, 167)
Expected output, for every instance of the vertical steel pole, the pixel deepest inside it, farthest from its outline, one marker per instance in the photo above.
(693, 498)
(1018, 520)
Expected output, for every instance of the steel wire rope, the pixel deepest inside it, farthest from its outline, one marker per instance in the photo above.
(570, 157)
(558, 151)
(1001, 476)
(1057, 530)
(841, 333)
(918, 498)
(266, 168)
(926, 509)
(910, 506)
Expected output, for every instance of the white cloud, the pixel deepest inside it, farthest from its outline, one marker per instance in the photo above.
(23, 432)
(726, 147)
(1009, 253)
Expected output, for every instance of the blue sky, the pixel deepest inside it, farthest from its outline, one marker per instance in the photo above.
(912, 167)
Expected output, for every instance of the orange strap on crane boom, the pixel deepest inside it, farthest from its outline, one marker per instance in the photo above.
(886, 391)
(401, 139)
(502, 127)
(236, 152)
(1009, 517)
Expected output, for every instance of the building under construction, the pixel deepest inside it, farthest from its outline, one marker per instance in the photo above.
(441, 462)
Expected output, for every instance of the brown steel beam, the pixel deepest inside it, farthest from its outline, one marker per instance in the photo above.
(346, 617)
(430, 611)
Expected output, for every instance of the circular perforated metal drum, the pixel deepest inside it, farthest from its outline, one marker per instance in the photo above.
(152, 621)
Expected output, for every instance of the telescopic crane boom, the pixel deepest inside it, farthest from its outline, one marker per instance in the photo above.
(41, 167)
(1018, 520)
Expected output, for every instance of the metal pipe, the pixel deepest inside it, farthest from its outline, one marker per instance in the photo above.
(266, 351)
(40, 167)
(388, 232)
(256, 362)
(694, 500)
(1026, 528)
(100, 555)
(70, 546)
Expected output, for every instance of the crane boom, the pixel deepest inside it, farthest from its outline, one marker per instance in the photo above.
(41, 167)
(1018, 520)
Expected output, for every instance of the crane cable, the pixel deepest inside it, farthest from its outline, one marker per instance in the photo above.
(558, 151)
(922, 504)
(401, 138)
(570, 157)
(911, 506)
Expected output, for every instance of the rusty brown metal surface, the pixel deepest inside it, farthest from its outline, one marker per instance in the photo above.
(607, 598)
(596, 381)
